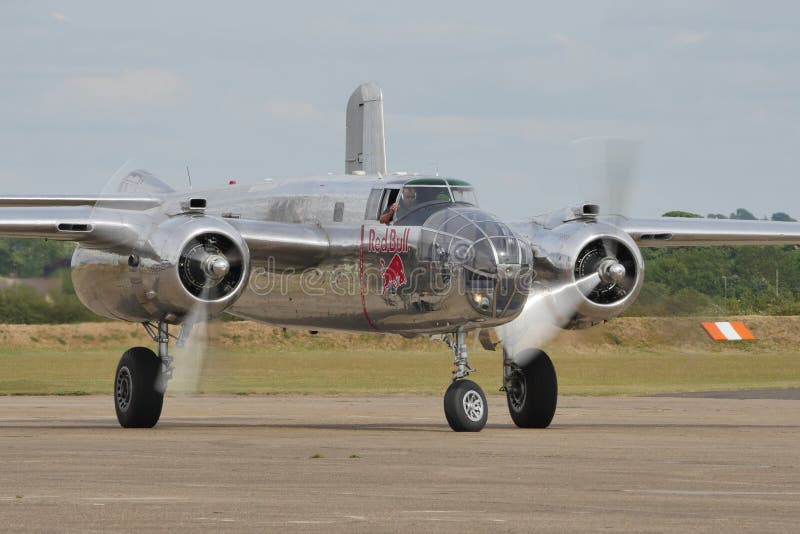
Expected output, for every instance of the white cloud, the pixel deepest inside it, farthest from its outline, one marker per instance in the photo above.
(59, 17)
(142, 87)
(689, 38)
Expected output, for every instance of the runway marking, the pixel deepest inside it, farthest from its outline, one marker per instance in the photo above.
(711, 492)
(435, 512)
(136, 499)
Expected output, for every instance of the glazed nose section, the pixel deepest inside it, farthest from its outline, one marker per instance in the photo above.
(496, 265)
(498, 272)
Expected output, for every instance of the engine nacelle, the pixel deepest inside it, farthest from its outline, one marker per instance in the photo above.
(594, 271)
(188, 267)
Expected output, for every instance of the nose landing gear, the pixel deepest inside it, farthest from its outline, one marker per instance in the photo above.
(465, 405)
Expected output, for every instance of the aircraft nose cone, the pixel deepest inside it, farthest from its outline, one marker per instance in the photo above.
(217, 267)
(613, 272)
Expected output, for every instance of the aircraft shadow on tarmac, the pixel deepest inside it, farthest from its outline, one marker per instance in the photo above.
(371, 427)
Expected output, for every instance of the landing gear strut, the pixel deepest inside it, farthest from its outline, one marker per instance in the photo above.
(141, 380)
(465, 404)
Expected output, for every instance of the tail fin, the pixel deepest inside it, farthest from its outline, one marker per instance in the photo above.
(366, 143)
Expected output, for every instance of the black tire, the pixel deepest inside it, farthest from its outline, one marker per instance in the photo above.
(532, 389)
(137, 400)
(465, 406)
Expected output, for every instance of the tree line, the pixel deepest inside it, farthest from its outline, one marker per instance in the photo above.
(36, 258)
(721, 280)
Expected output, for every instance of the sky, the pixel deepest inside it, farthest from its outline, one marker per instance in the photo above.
(492, 93)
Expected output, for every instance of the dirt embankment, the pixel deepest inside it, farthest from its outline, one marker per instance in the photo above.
(685, 334)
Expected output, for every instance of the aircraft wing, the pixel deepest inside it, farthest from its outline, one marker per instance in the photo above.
(94, 227)
(125, 225)
(686, 232)
(130, 203)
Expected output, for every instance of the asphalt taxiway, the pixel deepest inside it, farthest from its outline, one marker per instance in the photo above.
(390, 463)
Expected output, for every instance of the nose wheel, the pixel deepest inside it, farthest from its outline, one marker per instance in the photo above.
(465, 405)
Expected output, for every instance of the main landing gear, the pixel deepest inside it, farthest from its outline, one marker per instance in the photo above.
(465, 405)
(141, 381)
(531, 386)
(529, 380)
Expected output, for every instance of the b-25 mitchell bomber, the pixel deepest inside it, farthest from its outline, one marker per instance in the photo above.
(366, 251)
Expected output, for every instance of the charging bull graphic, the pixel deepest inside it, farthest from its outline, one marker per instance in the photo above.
(394, 275)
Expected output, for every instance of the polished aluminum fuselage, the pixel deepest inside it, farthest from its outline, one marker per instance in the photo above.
(345, 289)
(338, 268)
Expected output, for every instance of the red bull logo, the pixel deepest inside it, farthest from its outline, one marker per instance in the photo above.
(389, 241)
(394, 275)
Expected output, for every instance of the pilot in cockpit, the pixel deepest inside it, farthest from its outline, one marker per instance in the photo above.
(407, 200)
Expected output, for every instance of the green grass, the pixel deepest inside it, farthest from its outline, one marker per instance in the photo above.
(624, 371)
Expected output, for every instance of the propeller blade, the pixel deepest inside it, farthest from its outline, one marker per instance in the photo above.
(621, 166)
(190, 352)
(611, 247)
(611, 164)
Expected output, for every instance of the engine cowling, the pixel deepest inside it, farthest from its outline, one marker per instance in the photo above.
(188, 265)
(606, 259)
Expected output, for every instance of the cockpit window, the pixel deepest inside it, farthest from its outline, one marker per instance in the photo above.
(465, 195)
(415, 195)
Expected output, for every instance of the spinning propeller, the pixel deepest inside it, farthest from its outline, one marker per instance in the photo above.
(205, 264)
(605, 269)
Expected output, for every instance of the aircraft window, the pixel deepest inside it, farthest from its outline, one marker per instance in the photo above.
(413, 198)
(426, 195)
(508, 250)
(483, 259)
(385, 214)
(374, 204)
(338, 212)
(464, 194)
(462, 227)
(389, 198)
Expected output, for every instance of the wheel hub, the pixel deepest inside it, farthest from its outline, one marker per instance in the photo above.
(473, 405)
(124, 389)
(516, 391)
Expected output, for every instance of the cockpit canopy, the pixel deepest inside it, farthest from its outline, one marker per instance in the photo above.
(417, 198)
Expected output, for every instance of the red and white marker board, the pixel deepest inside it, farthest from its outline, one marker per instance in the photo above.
(727, 331)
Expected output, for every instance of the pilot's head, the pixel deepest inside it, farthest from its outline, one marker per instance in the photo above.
(409, 197)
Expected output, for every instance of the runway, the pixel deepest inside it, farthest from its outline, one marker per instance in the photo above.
(391, 464)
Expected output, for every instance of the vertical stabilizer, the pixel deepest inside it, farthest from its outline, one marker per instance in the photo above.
(366, 145)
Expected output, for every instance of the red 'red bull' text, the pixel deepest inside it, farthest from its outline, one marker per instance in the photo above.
(389, 241)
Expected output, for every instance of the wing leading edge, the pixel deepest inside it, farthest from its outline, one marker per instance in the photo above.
(93, 227)
(685, 232)
(129, 203)
(287, 245)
